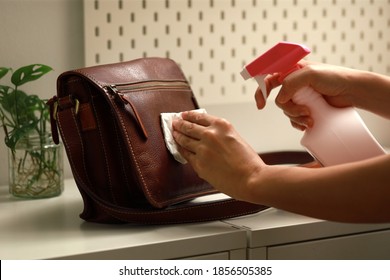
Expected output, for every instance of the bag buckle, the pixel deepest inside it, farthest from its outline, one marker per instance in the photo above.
(55, 110)
(70, 100)
(54, 104)
(76, 106)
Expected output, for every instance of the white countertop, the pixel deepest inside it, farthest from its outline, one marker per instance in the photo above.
(51, 228)
(273, 227)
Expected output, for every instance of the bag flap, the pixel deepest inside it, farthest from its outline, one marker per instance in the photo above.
(135, 71)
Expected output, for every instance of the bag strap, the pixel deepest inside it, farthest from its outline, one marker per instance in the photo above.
(186, 212)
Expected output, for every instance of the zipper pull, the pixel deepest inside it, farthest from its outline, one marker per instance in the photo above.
(130, 109)
(116, 93)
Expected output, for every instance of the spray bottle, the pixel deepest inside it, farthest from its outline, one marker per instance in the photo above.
(338, 135)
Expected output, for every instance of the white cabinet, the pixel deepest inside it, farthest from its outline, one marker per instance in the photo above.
(276, 234)
(239, 254)
(372, 245)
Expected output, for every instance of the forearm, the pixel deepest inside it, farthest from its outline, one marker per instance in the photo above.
(356, 192)
(371, 92)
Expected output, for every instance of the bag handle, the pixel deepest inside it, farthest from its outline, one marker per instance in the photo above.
(183, 213)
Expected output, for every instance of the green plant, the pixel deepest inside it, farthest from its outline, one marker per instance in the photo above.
(21, 113)
(35, 167)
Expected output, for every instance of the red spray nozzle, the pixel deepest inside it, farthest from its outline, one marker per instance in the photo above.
(282, 58)
(279, 59)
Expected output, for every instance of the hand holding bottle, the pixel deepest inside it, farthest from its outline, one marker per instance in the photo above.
(319, 101)
(339, 86)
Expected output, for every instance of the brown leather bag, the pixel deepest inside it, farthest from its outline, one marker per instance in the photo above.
(109, 120)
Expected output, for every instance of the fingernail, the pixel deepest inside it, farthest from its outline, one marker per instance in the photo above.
(310, 122)
(174, 123)
(280, 99)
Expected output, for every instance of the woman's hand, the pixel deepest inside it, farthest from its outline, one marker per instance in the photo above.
(217, 152)
(333, 82)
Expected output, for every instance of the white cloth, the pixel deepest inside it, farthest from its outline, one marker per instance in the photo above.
(166, 124)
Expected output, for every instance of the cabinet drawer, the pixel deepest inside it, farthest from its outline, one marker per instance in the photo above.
(373, 245)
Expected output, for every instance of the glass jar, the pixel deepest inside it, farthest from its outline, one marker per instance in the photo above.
(36, 167)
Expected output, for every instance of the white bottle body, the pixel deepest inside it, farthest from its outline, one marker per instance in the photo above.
(338, 135)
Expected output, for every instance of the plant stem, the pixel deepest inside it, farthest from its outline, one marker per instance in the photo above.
(16, 106)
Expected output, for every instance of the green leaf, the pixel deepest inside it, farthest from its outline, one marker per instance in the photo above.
(4, 90)
(4, 71)
(7, 98)
(19, 133)
(29, 73)
(21, 107)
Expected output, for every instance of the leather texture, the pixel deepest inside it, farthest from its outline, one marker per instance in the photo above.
(109, 120)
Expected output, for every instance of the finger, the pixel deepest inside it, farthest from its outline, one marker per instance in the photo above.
(202, 119)
(260, 102)
(292, 109)
(187, 154)
(301, 123)
(297, 126)
(299, 115)
(187, 145)
(294, 82)
(271, 82)
(187, 128)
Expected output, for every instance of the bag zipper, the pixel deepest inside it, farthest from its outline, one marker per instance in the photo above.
(156, 84)
(119, 89)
